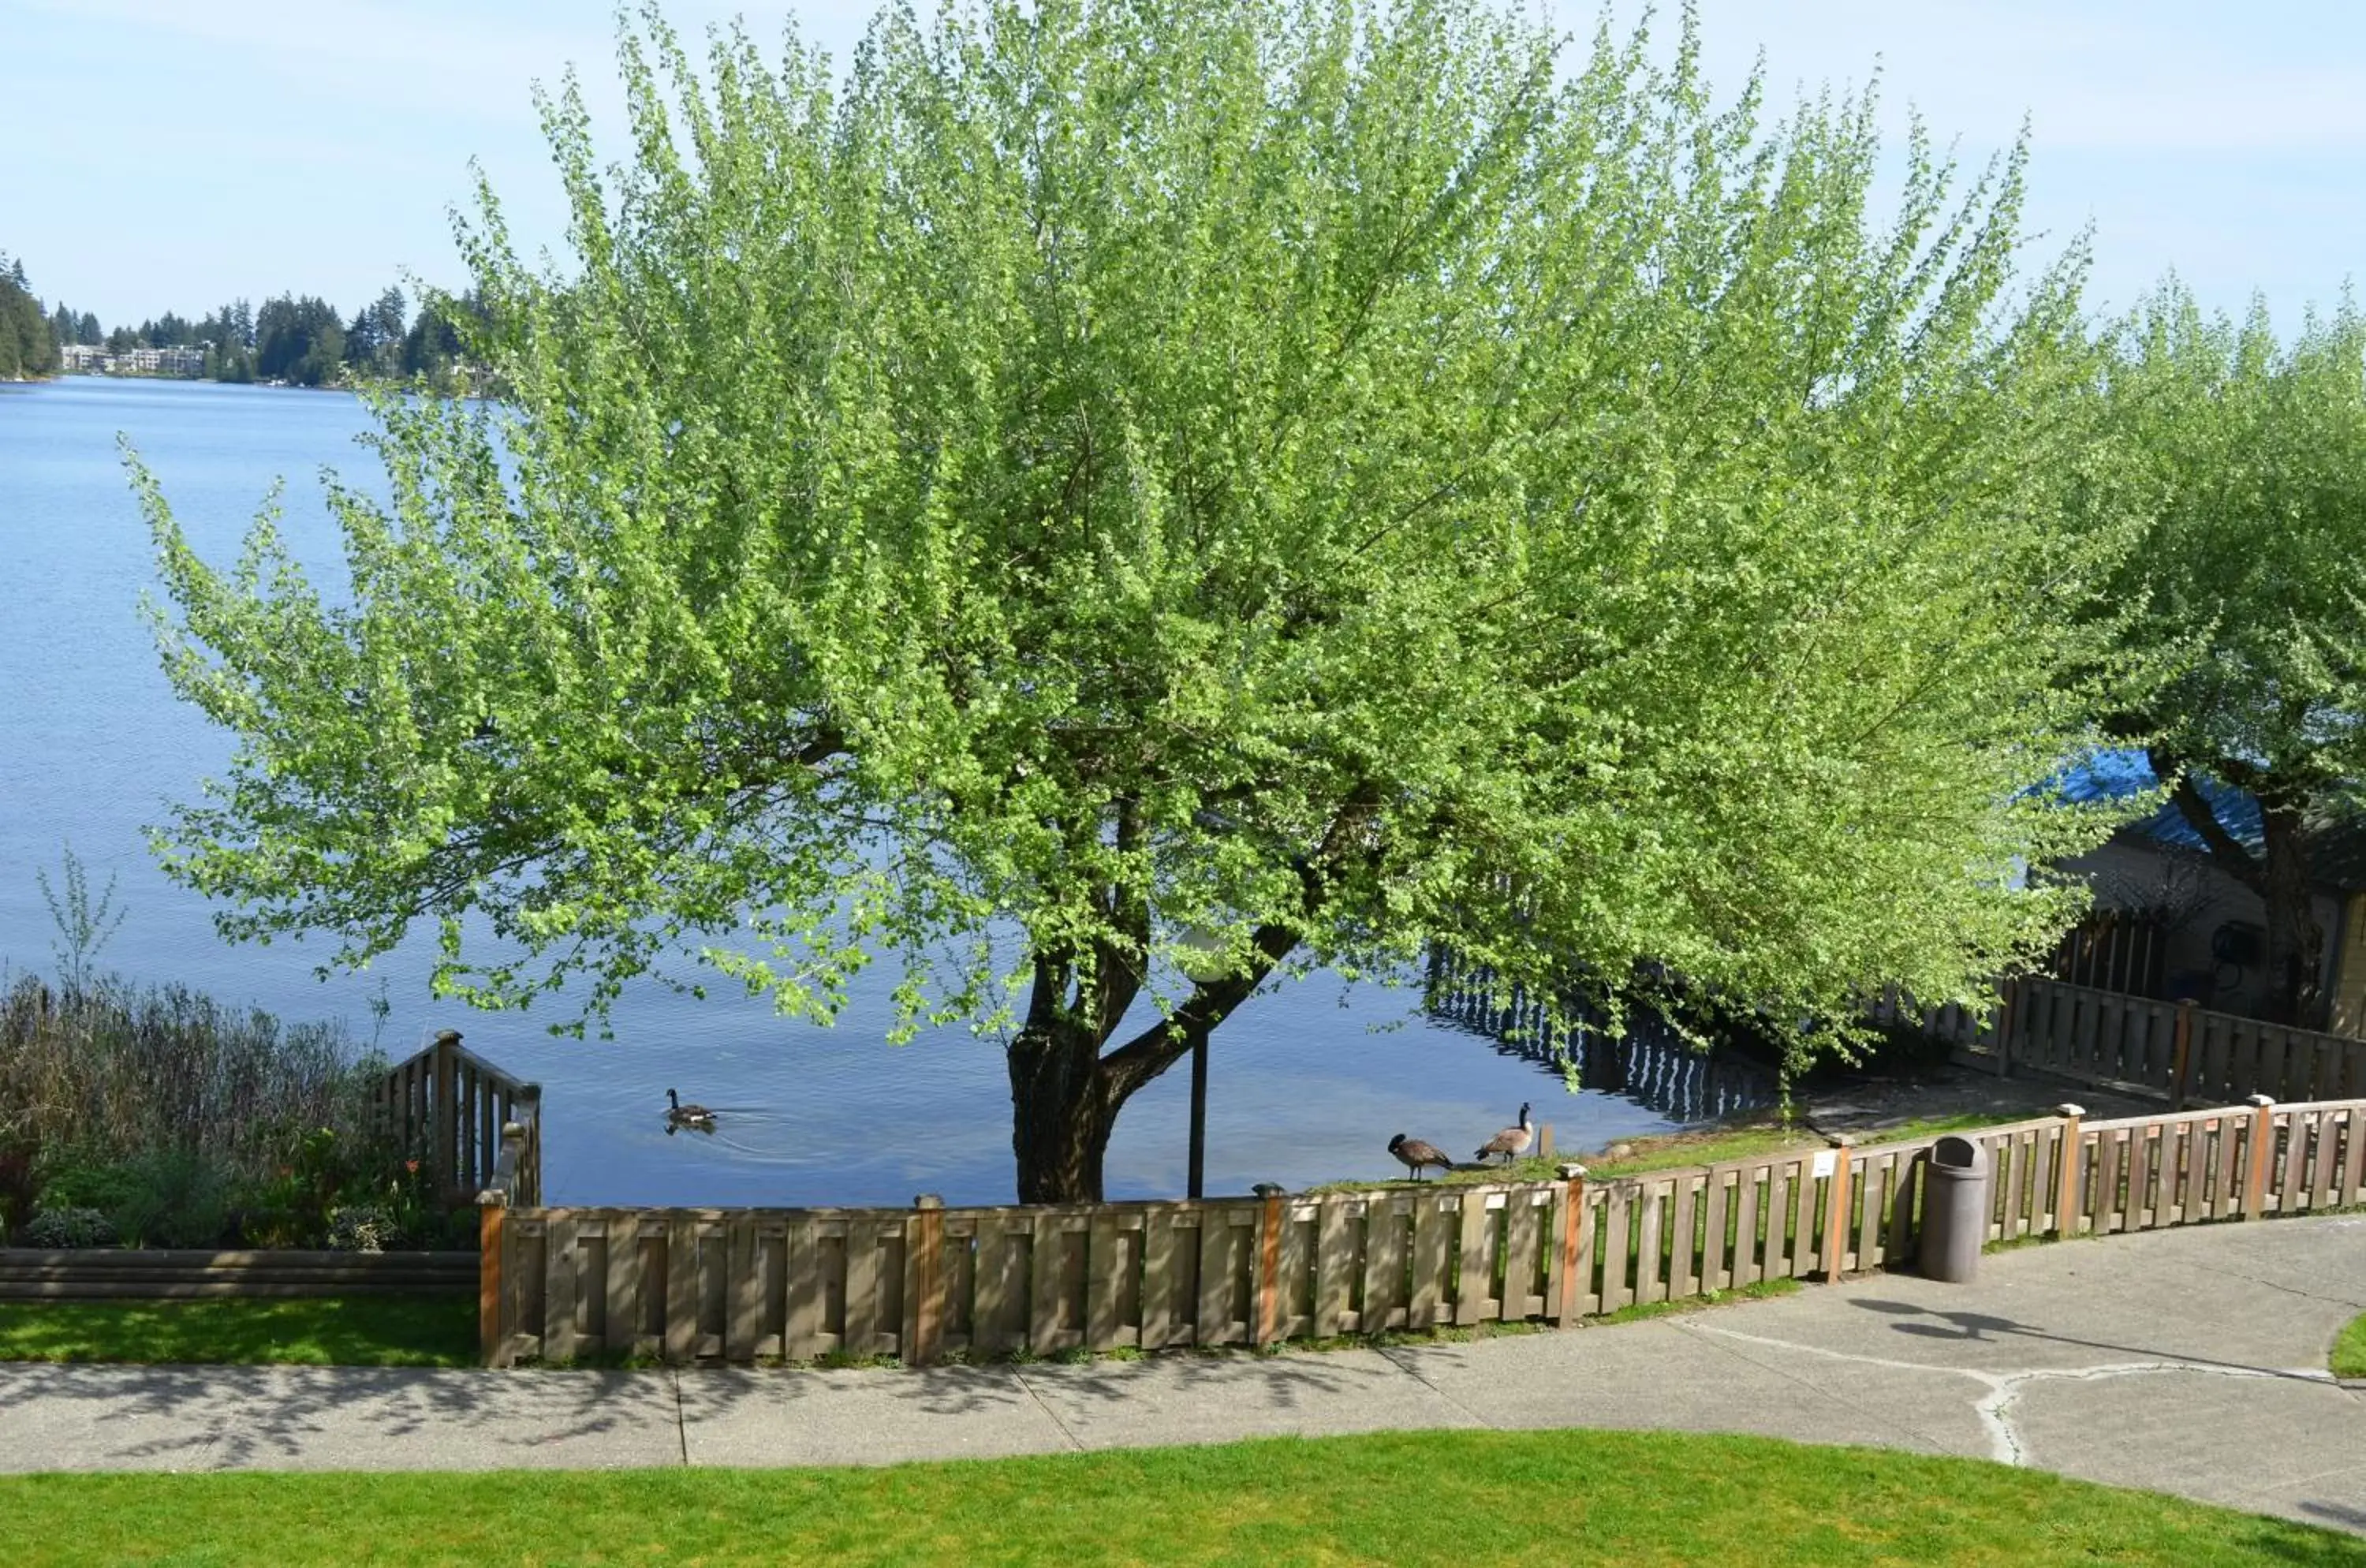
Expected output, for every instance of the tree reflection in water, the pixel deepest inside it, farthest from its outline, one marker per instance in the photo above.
(1650, 1064)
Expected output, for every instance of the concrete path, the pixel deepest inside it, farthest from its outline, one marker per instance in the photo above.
(2187, 1361)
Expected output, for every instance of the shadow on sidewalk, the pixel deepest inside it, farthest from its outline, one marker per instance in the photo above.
(220, 1416)
(1968, 1327)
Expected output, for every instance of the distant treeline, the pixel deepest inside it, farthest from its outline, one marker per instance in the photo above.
(300, 340)
(26, 347)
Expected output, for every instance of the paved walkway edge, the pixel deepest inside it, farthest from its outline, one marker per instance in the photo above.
(2191, 1361)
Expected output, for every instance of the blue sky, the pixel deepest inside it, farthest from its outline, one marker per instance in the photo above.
(174, 154)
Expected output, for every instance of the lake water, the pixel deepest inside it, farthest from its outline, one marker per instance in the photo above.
(1307, 1083)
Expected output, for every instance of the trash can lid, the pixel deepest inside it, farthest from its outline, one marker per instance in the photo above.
(1959, 1154)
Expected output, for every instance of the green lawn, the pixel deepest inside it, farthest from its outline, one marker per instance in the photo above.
(1405, 1499)
(2349, 1351)
(353, 1331)
(1767, 1136)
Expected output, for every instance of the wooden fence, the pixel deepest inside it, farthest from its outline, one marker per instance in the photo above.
(2173, 1049)
(453, 1106)
(108, 1275)
(2113, 949)
(745, 1284)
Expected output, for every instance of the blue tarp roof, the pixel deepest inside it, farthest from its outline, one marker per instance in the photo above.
(2116, 775)
(2334, 838)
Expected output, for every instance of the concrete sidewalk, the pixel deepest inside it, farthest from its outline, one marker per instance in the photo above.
(2187, 1361)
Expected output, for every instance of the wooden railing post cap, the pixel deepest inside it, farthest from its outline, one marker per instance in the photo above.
(2066, 1109)
(512, 1132)
(447, 1037)
(928, 1200)
(2261, 1101)
(492, 1198)
(1270, 1190)
(1573, 1171)
(1841, 1140)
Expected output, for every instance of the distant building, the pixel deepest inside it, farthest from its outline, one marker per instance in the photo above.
(2210, 928)
(91, 359)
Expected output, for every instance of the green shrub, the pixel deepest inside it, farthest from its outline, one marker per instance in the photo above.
(57, 1228)
(363, 1227)
(161, 1197)
(187, 1124)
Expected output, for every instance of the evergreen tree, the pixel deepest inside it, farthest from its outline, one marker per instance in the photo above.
(28, 347)
(298, 340)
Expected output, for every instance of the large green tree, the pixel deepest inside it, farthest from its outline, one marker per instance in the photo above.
(1323, 474)
(2246, 458)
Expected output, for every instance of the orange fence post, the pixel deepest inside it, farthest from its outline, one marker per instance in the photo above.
(2263, 1138)
(492, 1212)
(2072, 1158)
(1836, 1212)
(1268, 1324)
(1572, 1236)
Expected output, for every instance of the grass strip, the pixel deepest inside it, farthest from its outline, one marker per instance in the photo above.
(2349, 1351)
(1635, 1499)
(348, 1331)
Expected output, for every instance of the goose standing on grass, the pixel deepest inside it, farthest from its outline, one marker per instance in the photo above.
(697, 1118)
(1512, 1142)
(1416, 1154)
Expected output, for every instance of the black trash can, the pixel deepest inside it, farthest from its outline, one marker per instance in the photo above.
(1954, 1210)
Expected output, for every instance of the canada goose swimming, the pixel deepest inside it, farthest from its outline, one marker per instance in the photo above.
(1512, 1142)
(697, 1118)
(1415, 1154)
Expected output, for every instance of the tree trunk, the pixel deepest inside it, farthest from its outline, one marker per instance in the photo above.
(2295, 940)
(1060, 1113)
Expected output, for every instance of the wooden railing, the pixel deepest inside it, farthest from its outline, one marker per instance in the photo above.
(745, 1284)
(2174, 1049)
(450, 1105)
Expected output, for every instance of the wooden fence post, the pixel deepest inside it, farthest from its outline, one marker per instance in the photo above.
(2004, 1029)
(2263, 1137)
(1269, 1302)
(924, 1292)
(1836, 1212)
(443, 1162)
(2070, 1162)
(493, 1213)
(2180, 1054)
(528, 1190)
(1573, 1234)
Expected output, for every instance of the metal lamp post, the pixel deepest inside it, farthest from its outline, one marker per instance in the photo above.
(1201, 955)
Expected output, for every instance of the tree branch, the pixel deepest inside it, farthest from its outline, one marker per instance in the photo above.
(1162, 1044)
(2226, 851)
